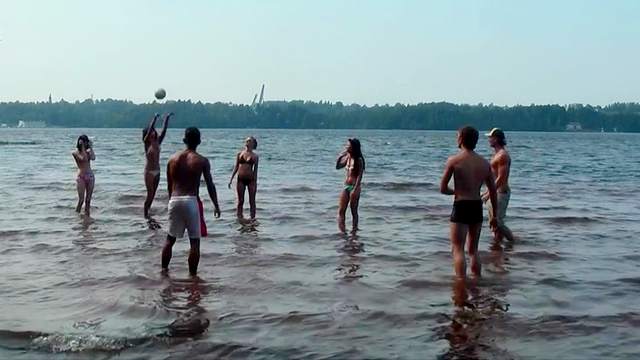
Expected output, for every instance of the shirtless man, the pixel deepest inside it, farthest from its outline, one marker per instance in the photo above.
(152, 144)
(469, 171)
(501, 167)
(183, 177)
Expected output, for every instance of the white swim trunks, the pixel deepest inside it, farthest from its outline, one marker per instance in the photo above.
(184, 214)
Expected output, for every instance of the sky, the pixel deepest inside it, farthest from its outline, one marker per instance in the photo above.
(367, 52)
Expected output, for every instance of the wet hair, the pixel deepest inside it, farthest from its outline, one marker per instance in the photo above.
(84, 138)
(469, 137)
(501, 140)
(356, 151)
(254, 141)
(191, 137)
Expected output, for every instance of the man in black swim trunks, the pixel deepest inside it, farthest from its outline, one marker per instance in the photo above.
(469, 171)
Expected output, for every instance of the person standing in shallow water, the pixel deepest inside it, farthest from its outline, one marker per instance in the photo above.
(85, 181)
(353, 160)
(246, 167)
(152, 144)
(184, 170)
(469, 171)
(501, 167)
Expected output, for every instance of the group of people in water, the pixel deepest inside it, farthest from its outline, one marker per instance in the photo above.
(185, 168)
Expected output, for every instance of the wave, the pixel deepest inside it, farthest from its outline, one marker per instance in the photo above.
(423, 208)
(187, 327)
(632, 281)
(297, 189)
(20, 142)
(394, 186)
(565, 325)
(537, 255)
(573, 220)
(419, 284)
(555, 282)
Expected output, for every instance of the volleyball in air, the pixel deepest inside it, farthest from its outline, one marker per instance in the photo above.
(160, 94)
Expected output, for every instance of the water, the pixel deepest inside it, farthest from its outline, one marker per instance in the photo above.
(292, 287)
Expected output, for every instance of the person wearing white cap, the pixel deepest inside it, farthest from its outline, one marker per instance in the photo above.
(501, 167)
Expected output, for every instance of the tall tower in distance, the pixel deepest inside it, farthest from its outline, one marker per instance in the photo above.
(261, 95)
(49, 98)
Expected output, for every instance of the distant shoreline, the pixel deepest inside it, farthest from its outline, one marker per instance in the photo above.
(585, 132)
(617, 117)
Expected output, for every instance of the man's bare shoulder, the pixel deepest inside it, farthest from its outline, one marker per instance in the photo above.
(453, 160)
(174, 156)
(198, 160)
(501, 156)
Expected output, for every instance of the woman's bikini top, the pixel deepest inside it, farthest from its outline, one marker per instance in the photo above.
(242, 160)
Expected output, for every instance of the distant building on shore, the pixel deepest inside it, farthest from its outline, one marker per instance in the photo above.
(574, 126)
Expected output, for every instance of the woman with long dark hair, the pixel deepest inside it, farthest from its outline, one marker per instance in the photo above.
(83, 155)
(353, 160)
(246, 167)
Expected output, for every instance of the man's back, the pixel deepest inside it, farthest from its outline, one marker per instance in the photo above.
(470, 171)
(183, 172)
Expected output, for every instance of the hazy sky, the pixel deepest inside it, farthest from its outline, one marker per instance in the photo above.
(505, 52)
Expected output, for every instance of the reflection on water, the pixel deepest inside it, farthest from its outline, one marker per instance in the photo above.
(248, 226)
(350, 262)
(470, 333)
(184, 296)
(479, 305)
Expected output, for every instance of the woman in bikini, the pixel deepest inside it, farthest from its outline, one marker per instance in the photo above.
(351, 159)
(152, 144)
(85, 179)
(247, 169)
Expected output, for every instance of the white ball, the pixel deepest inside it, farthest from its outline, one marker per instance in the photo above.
(160, 94)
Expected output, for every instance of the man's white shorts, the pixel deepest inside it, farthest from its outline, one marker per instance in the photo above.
(184, 214)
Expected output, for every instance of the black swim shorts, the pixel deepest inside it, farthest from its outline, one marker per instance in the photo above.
(467, 211)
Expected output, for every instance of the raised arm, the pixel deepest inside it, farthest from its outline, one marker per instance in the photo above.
(235, 170)
(77, 157)
(211, 188)
(165, 125)
(342, 160)
(493, 195)
(91, 154)
(152, 124)
(446, 177)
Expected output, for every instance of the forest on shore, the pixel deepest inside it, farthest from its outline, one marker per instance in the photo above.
(297, 114)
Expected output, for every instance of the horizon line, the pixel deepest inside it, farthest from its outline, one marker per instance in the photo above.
(491, 104)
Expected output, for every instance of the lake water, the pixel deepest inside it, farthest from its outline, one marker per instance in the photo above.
(292, 286)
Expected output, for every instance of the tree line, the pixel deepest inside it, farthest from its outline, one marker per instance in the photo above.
(623, 117)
